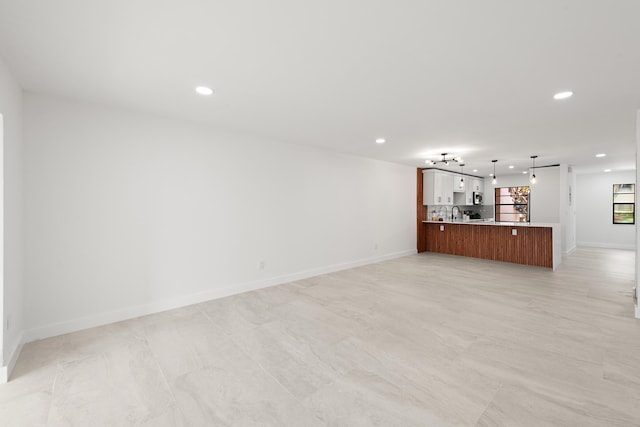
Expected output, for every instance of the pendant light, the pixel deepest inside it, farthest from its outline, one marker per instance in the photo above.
(495, 178)
(533, 169)
(461, 175)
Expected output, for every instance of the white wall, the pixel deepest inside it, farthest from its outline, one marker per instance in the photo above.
(637, 306)
(545, 195)
(595, 211)
(129, 213)
(569, 210)
(544, 205)
(11, 215)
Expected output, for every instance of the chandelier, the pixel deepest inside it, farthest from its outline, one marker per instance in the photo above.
(445, 160)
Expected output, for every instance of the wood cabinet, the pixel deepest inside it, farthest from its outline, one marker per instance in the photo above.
(529, 245)
(437, 188)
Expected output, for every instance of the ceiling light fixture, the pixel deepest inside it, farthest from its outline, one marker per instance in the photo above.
(495, 178)
(475, 170)
(525, 172)
(461, 175)
(511, 167)
(533, 177)
(607, 170)
(445, 160)
(203, 90)
(380, 141)
(563, 95)
(601, 155)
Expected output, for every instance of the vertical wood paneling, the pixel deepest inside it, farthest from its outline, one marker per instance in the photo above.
(421, 214)
(532, 245)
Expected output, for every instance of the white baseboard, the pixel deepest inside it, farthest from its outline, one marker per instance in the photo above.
(74, 325)
(607, 245)
(5, 371)
(569, 251)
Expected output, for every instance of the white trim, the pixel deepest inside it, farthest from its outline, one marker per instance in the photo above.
(607, 245)
(5, 371)
(184, 300)
(4, 368)
(569, 251)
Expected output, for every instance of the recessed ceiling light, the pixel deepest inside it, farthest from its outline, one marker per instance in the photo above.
(203, 90)
(607, 170)
(475, 170)
(601, 155)
(563, 95)
(511, 167)
(490, 174)
(380, 141)
(525, 172)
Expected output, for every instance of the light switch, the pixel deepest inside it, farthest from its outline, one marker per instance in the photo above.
(514, 231)
(442, 228)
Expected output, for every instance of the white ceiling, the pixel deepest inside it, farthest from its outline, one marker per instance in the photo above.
(471, 78)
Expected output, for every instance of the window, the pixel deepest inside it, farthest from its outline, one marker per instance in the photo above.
(512, 204)
(624, 203)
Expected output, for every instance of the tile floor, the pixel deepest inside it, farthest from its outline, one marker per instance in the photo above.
(424, 340)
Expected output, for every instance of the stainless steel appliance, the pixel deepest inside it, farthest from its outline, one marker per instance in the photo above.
(477, 198)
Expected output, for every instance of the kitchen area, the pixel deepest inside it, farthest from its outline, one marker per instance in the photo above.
(451, 197)
(462, 214)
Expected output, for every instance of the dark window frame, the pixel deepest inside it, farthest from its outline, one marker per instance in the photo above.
(525, 206)
(615, 204)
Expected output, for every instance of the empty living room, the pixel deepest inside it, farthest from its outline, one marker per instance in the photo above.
(414, 213)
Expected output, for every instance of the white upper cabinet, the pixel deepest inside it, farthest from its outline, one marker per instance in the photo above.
(477, 185)
(437, 188)
(468, 200)
(456, 184)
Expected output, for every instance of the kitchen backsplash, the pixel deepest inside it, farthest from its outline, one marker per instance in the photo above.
(484, 211)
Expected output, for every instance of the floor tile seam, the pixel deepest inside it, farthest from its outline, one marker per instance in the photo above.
(490, 402)
(578, 315)
(252, 325)
(574, 358)
(516, 376)
(206, 315)
(533, 346)
(164, 376)
(526, 347)
(580, 400)
(633, 387)
(53, 390)
(71, 356)
(262, 368)
(396, 380)
(465, 350)
(519, 373)
(286, 390)
(298, 341)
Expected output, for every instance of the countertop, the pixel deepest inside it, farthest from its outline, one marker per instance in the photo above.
(492, 222)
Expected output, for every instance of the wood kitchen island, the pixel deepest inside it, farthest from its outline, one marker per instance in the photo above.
(520, 243)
